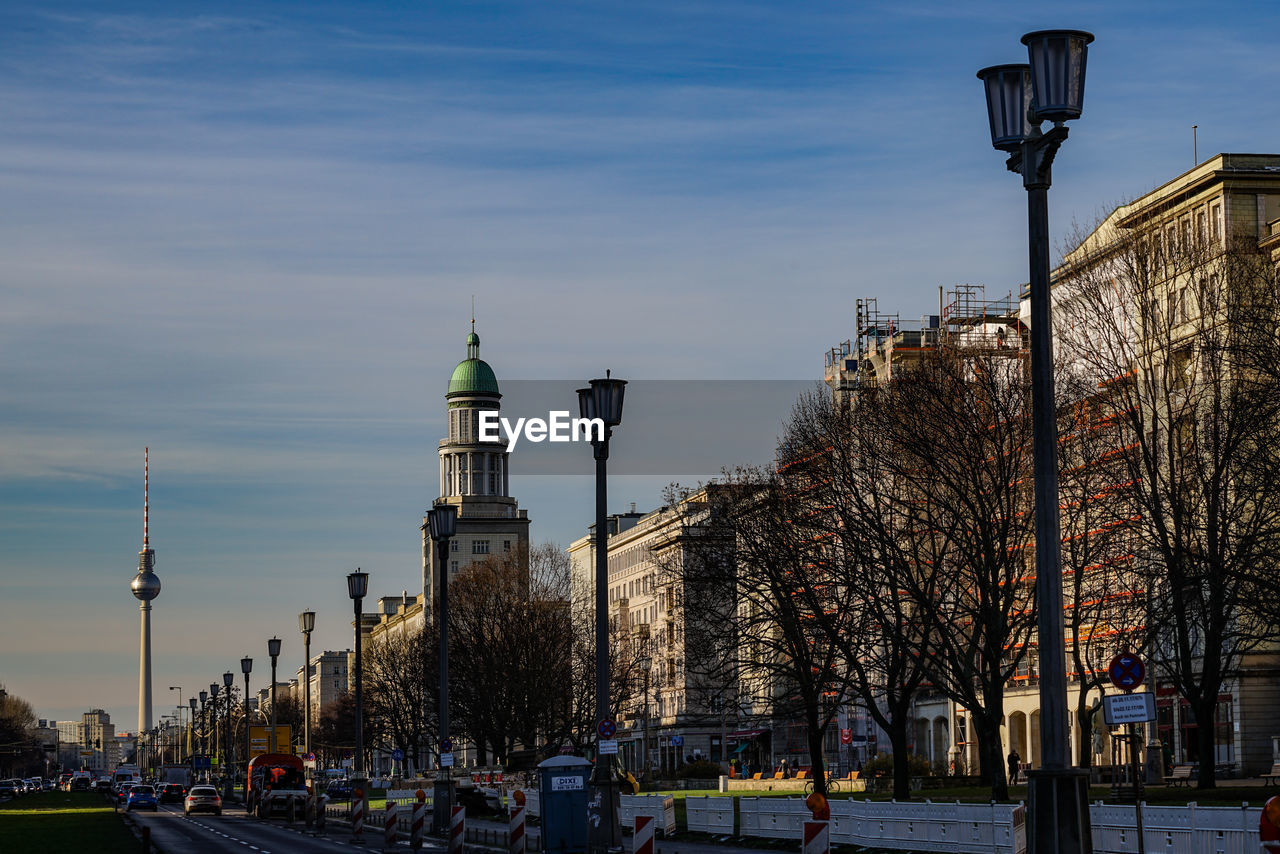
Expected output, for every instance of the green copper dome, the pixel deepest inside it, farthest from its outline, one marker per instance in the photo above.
(473, 374)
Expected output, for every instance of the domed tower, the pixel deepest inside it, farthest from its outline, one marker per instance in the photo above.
(145, 587)
(474, 476)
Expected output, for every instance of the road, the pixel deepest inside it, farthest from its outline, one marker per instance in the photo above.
(233, 831)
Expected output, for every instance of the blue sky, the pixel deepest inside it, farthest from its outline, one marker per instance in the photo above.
(247, 235)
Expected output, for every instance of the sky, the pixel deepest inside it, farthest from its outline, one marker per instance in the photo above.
(247, 236)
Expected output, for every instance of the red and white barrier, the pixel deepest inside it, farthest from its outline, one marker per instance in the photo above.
(357, 813)
(515, 832)
(389, 827)
(817, 837)
(642, 839)
(419, 821)
(457, 827)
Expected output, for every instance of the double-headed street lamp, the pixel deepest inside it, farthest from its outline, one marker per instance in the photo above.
(204, 728)
(246, 667)
(1019, 98)
(213, 725)
(227, 679)
(306, 624)
(357, 588)
(603, 400)
(442, 522)
(273, 650)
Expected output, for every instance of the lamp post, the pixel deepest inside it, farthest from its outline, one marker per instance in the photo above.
(246, 667)
(273, 650)
(227, 679)
(357, 587)
(645, 663)
(602, 401)
(442, 521)
(213, 725)
(192, 747)
(204, 730)
(306, 624)
(1019, 98)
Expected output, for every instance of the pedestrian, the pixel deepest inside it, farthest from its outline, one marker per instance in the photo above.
(1015, 762)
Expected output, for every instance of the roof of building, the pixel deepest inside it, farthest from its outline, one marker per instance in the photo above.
(473, 374)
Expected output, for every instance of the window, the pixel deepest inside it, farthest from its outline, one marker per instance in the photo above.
(1201, 233)
(506, 545)
(480, 547)
(1215, 222)
(453, 545)
(453, 567)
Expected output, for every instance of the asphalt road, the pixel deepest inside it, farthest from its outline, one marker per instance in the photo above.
(233, 831)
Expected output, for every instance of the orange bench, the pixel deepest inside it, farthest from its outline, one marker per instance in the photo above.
(801, 775)
(758, 775)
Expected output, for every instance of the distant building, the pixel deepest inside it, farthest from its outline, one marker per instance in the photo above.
(330, 678)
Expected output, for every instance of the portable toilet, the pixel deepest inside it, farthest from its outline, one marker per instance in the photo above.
(562, 801)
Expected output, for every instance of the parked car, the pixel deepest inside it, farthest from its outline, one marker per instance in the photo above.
(339, 790)
(142, 798)
(172, 793)
(202, 799)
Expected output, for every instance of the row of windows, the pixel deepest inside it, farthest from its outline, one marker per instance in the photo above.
(479, 547)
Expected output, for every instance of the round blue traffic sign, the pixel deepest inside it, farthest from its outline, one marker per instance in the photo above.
(1127, 671)
(397, 755)
(446, 745)
(677, 740)
(607, 729)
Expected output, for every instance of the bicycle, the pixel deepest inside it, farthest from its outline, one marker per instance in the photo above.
(833, 786)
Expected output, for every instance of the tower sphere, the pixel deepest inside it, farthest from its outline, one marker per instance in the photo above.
(145, 585)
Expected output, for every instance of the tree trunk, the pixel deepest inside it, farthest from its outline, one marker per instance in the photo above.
(990, 751)
(1085, 720)
(818, 767)
(901, 761)
(1206, 714)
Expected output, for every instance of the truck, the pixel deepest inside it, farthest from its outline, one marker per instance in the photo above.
(276, 784)
(125, 774)
(180, 774)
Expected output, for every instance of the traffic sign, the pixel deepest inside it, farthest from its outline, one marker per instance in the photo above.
(1129, 708)
(1127, 671)
(677, 740)
(397, 755)
(446, 745)
(607, 729)
(846, 736)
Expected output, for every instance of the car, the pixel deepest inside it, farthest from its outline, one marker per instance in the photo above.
(339, 790)
(172, 793)
(103, 785)
(122, 793)
(202, 799)
(79, 784)
(142, 797)
(9, 789)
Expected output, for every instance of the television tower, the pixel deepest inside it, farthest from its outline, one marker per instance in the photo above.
(145, 587)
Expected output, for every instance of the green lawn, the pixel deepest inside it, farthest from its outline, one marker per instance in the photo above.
(70, 822)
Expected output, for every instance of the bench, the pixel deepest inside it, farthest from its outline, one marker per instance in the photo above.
(853, 775)
(1181, 775)
(758, 775)
(778, 775)
(802, 775)
(1273, 775)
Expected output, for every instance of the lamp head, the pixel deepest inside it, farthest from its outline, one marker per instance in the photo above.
(246, 665)
(1058, 59)
(603, 400)
(307, 622)
(204, 696)
(213, 690)
(227, 679)
(1008, 90)
(357, 584)
(273, 648)
(442, 519)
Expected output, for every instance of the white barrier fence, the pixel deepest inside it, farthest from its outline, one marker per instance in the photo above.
(981, 828)
(709, 815)
(661, 807)
(1175, 830)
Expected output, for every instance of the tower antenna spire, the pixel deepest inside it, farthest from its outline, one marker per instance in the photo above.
(146, 495)
(473, 312)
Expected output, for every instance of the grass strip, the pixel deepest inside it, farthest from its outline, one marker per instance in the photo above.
(64, 823)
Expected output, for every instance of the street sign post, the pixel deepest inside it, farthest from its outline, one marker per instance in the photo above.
(1127, 671)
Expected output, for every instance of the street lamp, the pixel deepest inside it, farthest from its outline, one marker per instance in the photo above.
(357, 587)
(192, 702)
(306, 624)
(246, 667)
(273, 650)
(603, 401)
(645, 663)
(1019, 98)
(204, 730)
(442, 522)
(213, 724)
(227, 679)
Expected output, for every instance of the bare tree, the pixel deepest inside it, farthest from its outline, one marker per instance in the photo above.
(398, 689)
(1173, 324)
